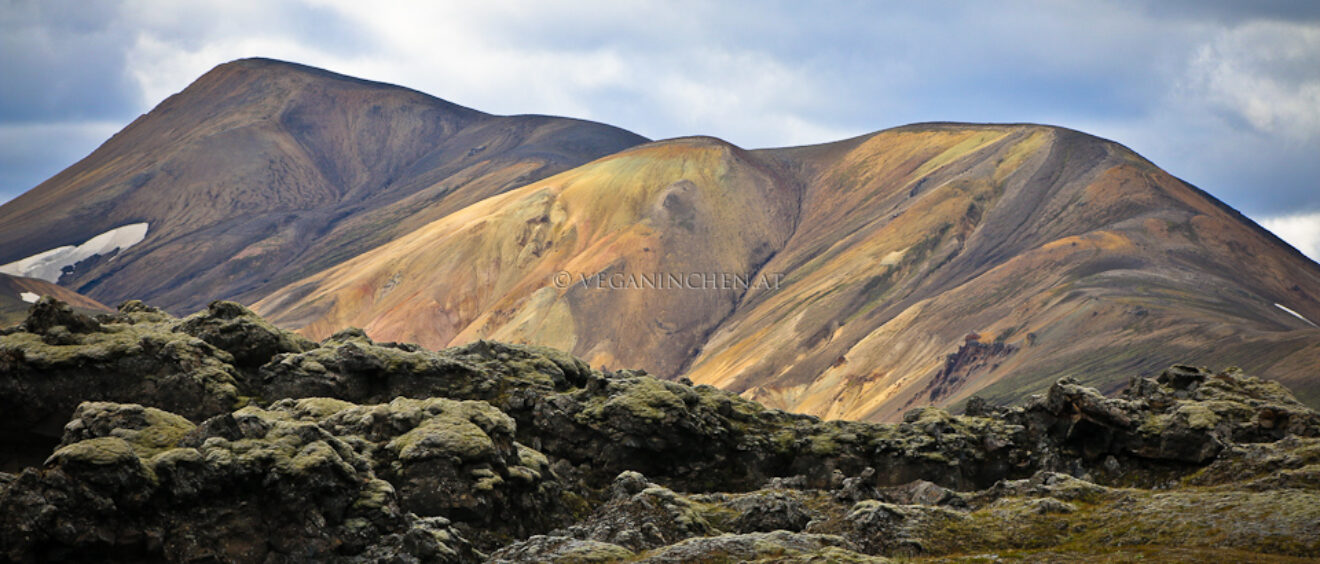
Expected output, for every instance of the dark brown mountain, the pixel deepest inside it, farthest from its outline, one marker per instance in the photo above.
(262, 172)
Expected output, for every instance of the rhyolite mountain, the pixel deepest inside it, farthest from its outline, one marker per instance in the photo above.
(913, 266)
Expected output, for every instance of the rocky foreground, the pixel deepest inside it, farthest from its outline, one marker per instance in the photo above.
(136, 436)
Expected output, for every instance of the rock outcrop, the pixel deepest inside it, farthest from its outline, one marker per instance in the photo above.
(219, 437)
(58, 358)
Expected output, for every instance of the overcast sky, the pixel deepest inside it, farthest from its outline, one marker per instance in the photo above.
(1223, 94)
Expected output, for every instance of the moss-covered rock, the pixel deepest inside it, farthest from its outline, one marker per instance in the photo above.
(777, 546)
(641, 515)
(51, 316)
(561, 550)
(246, 443)
(350, 366)
(235, 329)
(1185, 416)
(771, 510)
(148, 430)
(284, 489)
(116, 359)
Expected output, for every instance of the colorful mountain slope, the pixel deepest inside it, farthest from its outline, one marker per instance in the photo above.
(1065, 254)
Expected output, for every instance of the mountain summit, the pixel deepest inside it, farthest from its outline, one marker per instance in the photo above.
(858, 279)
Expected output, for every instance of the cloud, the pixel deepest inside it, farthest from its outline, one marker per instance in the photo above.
(62, 62)
(1265, 73)
(1223, 94)
(1231, 12)
(1302, 231)
(646, 67)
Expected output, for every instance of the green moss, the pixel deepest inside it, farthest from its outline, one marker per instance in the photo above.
(1277, 522)
(592, 552)
(926, 416)
(488, 484)
(100, 451)
(935, 457)
(320, 408)
(719, 517)
(164, 431)
(169, 459)
(489, 419)
(444, 437)
(1154, 424)
(641, 397)
(839, 555)
(265, 414)
(736, 408)
(1198, 416)
(822, 445)
(259, 455)
(94, 348)
(531, 458)
(784, 441)
(317, 456)
(682, 510)
(374, 495)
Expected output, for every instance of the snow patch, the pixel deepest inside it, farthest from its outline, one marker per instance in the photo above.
(29, 297)
(48, 265)
(1295, 314)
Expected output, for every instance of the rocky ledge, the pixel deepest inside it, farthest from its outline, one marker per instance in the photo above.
(136, 436)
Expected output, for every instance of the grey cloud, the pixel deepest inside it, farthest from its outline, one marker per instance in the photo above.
(1232, 11)
(1120, 68)
(64, 61)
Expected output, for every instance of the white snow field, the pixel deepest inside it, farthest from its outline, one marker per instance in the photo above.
(48, 264)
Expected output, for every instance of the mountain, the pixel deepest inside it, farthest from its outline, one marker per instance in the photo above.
(919, 265)
(859, 279)
(18, 293)
(262, 172)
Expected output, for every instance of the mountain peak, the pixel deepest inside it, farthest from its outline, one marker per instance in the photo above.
(276, 67)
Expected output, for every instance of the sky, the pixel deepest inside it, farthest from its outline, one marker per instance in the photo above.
(1223, 94)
